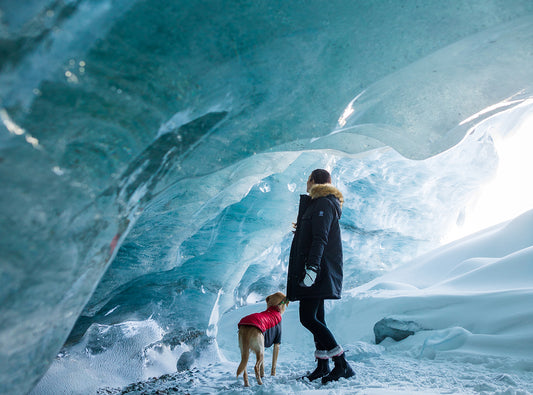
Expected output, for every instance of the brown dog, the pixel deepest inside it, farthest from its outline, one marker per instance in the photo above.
(260, 330)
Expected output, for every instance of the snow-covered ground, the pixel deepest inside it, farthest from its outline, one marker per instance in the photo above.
(472, 299)
(378, 371)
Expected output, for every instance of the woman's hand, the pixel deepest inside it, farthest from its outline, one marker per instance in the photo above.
(309, 277)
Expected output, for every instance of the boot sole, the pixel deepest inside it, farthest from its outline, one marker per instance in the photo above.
(347, 375)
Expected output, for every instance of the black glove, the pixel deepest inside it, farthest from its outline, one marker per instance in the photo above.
(309, 277)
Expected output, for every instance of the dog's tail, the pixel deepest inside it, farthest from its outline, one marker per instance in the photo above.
(244, 345)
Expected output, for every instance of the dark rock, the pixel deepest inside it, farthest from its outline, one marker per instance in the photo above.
(185, 361)
(198, 345)
(395, 329)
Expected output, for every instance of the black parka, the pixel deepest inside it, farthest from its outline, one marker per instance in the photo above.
(317, 243)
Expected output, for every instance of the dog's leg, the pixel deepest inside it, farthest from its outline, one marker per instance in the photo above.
(245, 377)
(257, 368)
(275, 353)
(244, 345)
(262, 348)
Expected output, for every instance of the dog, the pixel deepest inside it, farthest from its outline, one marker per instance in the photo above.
(260, 330)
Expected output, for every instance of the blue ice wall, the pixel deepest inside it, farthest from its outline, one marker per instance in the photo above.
(164, 144)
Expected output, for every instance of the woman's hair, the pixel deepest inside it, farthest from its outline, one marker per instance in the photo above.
(321, 176)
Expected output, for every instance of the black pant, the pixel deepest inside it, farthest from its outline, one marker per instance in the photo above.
(312, 318)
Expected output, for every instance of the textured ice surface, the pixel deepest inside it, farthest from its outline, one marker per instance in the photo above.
(475, 341)
(165, 146)
(473, 79)
(418, 194)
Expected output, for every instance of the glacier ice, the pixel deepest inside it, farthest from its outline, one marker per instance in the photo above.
(392, 107)
(150, 156)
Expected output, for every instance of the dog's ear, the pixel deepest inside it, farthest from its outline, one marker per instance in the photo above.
(267, 299)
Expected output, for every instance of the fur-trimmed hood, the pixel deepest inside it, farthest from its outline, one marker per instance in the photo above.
(322, 190)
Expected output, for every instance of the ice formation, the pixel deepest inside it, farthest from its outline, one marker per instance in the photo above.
(151, 157)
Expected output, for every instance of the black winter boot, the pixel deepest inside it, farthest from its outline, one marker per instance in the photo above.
(342, 369)
(321, 370)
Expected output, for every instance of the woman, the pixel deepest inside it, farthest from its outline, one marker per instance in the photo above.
(315, 270)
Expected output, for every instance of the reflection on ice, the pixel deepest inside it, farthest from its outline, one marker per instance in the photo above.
(510, 192)
(436, 96)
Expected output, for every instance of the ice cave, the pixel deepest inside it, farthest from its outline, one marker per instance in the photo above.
(152, 155)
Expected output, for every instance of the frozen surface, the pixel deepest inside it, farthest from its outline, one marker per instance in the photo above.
(472, 298)
(477, 337)
(151, 157)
